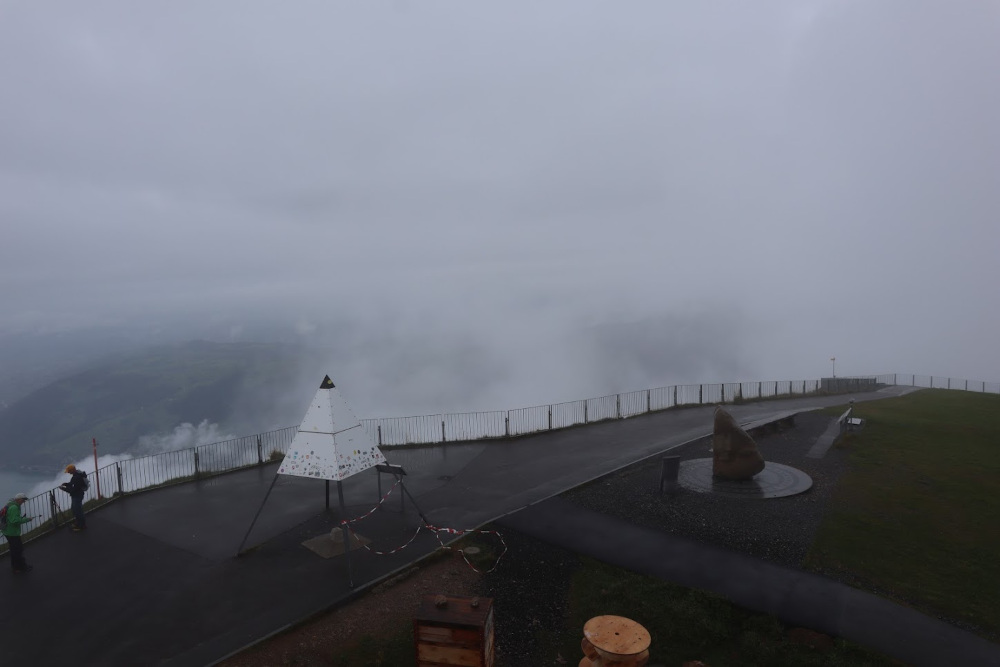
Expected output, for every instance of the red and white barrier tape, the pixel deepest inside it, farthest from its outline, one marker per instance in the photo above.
(434, 529)
(456, 531)
(372, 510)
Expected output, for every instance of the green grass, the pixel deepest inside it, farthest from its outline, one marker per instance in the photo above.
(684, 624)
(916, 515)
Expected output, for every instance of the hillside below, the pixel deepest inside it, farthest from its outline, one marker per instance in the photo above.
(145, 393)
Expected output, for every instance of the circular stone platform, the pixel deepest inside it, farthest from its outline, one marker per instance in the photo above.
(774, 481)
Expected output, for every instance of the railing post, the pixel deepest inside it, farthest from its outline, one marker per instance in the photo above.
(618, 405)
(949, 383)
(966, 385)
(53, 508)
(586, 402)
(701, 389)
(379, 429)
(760, 390)
(506, 425)
(118, 473)
(550, 417)
(649, 404)
(443, 437)
(723, 392)
(197, 472)
(260, 452)
(932, 382)
(675, 395)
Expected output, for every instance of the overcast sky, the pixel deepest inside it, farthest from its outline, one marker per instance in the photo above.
(795, 180)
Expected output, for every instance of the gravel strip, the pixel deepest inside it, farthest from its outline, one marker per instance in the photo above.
(779, 530)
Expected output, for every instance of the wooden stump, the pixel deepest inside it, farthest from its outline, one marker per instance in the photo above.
(614, 641)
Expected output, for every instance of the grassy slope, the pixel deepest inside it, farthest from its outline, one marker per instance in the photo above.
(687, 624)
(916, 515)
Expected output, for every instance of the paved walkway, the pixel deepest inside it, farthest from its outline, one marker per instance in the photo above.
(154, 580)
(795, 597)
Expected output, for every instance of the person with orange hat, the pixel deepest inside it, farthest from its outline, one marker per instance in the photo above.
(76, 487)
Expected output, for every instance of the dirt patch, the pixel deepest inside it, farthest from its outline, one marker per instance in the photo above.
(381, 611)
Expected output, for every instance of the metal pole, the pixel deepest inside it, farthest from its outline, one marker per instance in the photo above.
(256, 516)
(328, 494)
(118, 469)
(94, 440)
(54, 509)
(419, 511)
(347, 535)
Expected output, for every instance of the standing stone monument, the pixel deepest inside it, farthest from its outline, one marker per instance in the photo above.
(734, 453)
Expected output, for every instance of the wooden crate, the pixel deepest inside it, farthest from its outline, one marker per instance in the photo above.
(456, 634)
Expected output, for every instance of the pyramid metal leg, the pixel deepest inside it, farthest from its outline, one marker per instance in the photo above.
(347, 534)
(256, 516)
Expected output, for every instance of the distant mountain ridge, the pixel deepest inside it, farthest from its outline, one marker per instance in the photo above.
(136, 394)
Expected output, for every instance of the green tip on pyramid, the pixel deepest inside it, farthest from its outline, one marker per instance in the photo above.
(327, 383)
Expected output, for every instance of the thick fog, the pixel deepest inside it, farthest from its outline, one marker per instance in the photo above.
(485, 205)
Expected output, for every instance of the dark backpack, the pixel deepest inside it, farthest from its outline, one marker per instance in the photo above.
(3, 517)
(85, 484)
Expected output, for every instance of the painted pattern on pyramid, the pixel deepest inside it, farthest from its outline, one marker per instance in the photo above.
(330, 443)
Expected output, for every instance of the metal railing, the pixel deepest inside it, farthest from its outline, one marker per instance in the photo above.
(134, 474)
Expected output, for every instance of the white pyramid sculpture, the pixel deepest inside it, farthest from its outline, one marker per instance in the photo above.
(330, 443)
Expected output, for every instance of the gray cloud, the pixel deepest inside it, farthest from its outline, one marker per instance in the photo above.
(818, 177)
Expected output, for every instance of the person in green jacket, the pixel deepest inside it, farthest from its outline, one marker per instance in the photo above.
(12, 531)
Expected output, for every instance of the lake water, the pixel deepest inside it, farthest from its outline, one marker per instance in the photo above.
(13, 482)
